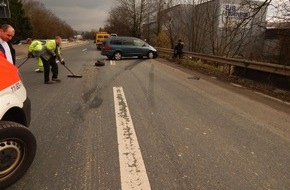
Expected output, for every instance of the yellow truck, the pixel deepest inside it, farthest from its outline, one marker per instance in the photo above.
(100, 37)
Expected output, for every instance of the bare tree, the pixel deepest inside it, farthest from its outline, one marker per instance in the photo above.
(280, 11)
(140, 17)
(277, 47)
(45, 24)
(134, 13)
(219, 28)
(118, 22)
(155, 18)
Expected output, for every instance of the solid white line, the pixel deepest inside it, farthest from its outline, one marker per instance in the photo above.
(276, 99)
(132, 168)
(237, 85)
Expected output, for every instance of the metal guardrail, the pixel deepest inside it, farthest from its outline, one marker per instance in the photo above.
(21, 50)
(255, 65)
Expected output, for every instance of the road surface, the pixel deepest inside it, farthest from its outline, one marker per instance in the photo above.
(142, 124)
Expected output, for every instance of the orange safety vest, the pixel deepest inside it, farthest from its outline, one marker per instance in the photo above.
(8, 73)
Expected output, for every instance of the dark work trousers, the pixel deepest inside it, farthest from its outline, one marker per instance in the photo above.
(54, 68)
(177, 54)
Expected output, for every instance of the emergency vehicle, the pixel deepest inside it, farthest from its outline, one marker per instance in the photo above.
(17, 143)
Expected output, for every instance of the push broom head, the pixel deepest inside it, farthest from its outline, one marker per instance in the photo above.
(72, 75)
(75, 76)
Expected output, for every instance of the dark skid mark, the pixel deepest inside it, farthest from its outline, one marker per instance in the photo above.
(96, 102)
(86, 96)
(134, 64)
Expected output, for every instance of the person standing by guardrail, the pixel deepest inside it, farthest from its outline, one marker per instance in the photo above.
(178, 50)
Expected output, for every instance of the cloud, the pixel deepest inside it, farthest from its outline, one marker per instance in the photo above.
(82, 19)
(81, 15)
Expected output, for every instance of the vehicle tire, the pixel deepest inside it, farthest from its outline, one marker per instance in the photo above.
(17, 151)
(117, 55)
(150, 55)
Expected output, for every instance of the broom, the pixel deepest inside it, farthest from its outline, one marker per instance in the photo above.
(23, 62)
(72, 75)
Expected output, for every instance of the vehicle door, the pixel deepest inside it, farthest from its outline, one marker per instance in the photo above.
(141, 47)
(128, 47)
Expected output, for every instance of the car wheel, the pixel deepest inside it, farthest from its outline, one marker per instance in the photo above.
(17, 151)
(150, 55)
(117, 55)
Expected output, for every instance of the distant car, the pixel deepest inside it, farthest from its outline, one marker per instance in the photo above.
(113, 35)
(118, 47)
(63, 41)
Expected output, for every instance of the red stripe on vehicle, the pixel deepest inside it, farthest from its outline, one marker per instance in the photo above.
(8, 73)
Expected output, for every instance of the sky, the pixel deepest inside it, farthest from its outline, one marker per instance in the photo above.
(81, 15)
(84, 15)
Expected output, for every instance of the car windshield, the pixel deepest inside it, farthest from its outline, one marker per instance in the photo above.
(138, 42)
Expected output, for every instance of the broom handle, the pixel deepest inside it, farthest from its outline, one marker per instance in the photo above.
(69, 70)
(23, 62)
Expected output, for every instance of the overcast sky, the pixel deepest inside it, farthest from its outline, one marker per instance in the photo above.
(81, 15)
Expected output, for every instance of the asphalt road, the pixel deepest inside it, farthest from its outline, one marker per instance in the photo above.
(141, 124)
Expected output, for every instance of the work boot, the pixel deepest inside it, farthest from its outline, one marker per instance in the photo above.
(56, 79)
(38, 71)
(48, 82)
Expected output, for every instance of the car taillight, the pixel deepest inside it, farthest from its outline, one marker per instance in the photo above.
(107, 47)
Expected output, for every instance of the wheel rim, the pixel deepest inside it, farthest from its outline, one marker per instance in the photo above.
(118, 56)
(150, 55)
(11, 153)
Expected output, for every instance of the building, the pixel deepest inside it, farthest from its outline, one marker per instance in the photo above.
(218, 27)
(276, 47)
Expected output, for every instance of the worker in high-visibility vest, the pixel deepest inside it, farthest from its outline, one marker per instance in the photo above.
(49, 54)
(34, 48)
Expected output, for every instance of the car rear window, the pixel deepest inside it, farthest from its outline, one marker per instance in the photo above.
(116, 42)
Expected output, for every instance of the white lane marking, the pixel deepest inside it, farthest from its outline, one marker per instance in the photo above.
(276, 99)
(132, 168)
(112, 62)
(236, 85)
(84, 50)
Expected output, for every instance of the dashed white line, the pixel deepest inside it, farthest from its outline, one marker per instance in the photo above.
(132, 168)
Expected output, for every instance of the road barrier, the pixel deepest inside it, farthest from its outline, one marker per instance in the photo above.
(255, 65)
(22, 50)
